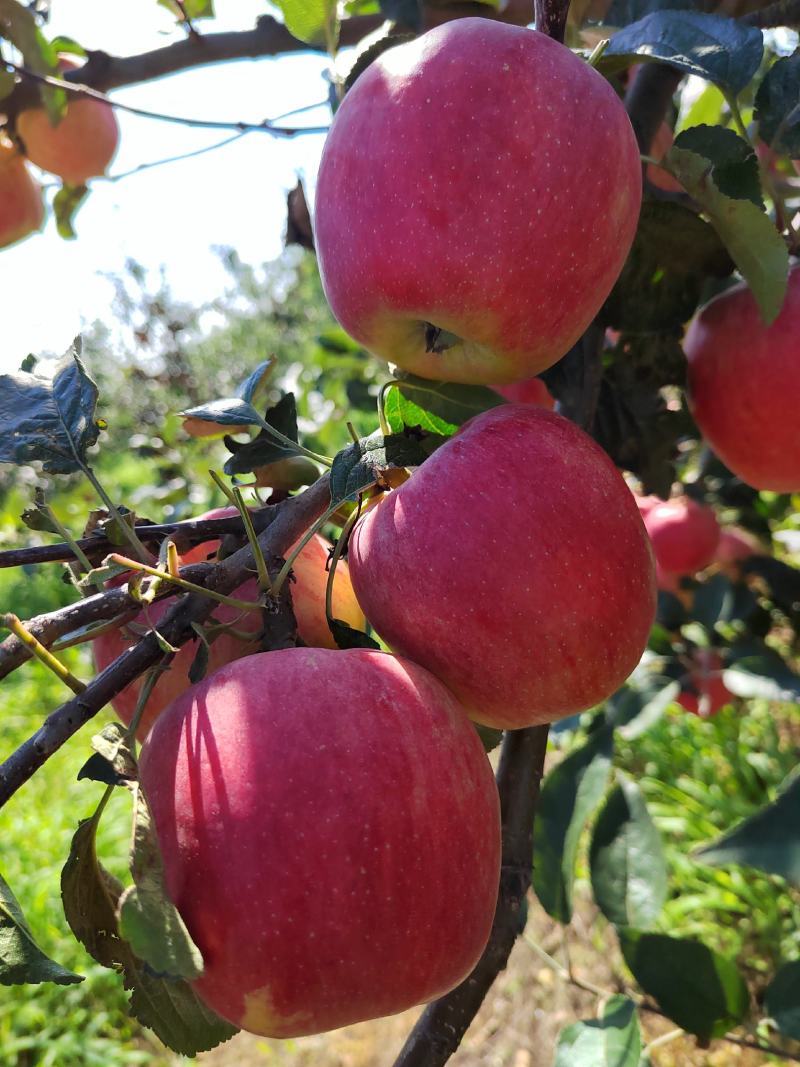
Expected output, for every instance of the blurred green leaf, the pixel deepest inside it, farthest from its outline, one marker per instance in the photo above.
(194, 9)
(21, 959)
(570, 793)
(629, 872)
(698, 989)
(633, 709)
(66, 204)
(782, 999)
(613, 1040)
(778, 106)
(247, 456)
(38, 55)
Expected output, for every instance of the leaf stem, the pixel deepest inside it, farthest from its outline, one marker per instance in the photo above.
(326, 461)
(12, 622)
(126, 530)
(382, 420)
(133, 565)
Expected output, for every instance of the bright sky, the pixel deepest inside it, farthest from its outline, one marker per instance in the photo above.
(172, 215)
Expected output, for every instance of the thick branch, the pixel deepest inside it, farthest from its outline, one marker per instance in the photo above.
(295, 516)
(442, 1025)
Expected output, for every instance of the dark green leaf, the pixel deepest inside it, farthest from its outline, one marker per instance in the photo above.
(174, 1012)
(629, 872)
(346, 636)
(39, 517)
(734, 163)
(359, 466)
(768, 840)
(114, 745)
(782, 999)
(199, 667)
(98, 769)
(614, 1040)
(66, 203)
(570, 793)
(248, 389)
(752, 240)
(229, 412)
(246, 456)
(712, 601)
(761, 673)
(438, 406)
(778, 106)
(490, 738)
(21, 959)
(148, 919)
(713, 47)
(633, 709)
(49, 418)
(624, 12)
(698, 989)
(7, 83)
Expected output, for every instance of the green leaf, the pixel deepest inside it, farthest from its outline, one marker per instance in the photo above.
(21, 959)
(49, 418)
(313, 21)
(232, 411)
(39, 517)
(195, 9)
(148, 919)
(113, 744)
(359, 466)
(490, 738)
(633, 709)
(706, 110)
(346, 636)
(19, 26)
(248, 390)
(263, 449)
(570, 793)
(7, 83)
(762, 674)
(698, 989)
(629, 872)
(782, 999)
(768, 840)
(170, 1008)
(614, 1040)
(734, 163)
(98, 769)
(719, 49)
(750, 236)
(66, 203)
(778, 106)
(437, 406)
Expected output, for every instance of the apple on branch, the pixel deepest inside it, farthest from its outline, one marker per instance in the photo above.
(21, 206)
(330, 830)
(478, 193)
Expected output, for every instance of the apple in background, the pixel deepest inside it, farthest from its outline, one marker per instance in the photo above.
(744, 385)
(82, 144)
(684, 534)
(308, 601)
(662, 179)
(707, 693)
(330, 830)
(478, 193)
(736, 544)
(513, 565)
(21, 206)
(531, 391)
(645, 504)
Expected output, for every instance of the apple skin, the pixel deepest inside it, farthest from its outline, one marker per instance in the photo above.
(531, 391)
(685, 535)
(708, 693)
(744, 385)
(450, 194)
(308, 602)
(80, 147)
(21, 206)
(330, 829)
(514, 566)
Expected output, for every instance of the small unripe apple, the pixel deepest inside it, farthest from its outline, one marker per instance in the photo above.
(478, 193)
(744, 385)
(513, 564)
(706, 692)
(531, 391)
(330, 831)
(308, 602)
(684, 534)
(21, 206)
(80, 146)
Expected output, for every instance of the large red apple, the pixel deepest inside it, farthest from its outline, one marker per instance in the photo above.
(744, 385)
(514, 565)
(80, 146)
(331, 836)
(684, 534)
(308, 601)
(21, 207)
(477, 196)
(531, 391)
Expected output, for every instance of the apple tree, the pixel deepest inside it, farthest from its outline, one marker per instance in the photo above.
(563, 509)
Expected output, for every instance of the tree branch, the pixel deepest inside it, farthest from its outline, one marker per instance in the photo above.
(443, 1023)
(293, 517)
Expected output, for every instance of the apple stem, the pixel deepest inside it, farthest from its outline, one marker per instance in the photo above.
(154, 572)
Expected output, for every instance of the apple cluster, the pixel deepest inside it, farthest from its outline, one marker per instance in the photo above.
(79, 147)
(328, 819)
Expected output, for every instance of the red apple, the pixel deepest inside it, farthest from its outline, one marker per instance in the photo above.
(736, 544)
(706, 692)
(331, 836)
(531, 391)
(477, 196)
(662, 179)
(308, 601)
(82, 144)
(744, 385)
(21, 207)
(684, 535)
(645, 504)
(514, 565)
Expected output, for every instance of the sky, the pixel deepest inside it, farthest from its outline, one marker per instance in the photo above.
(174, 215)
